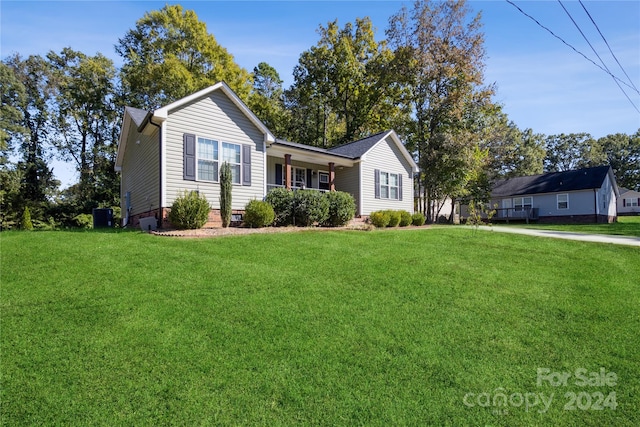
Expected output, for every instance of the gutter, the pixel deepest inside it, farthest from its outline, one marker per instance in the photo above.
(148, 119)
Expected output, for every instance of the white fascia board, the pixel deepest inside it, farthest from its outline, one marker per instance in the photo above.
(122, 141)
(163, 113)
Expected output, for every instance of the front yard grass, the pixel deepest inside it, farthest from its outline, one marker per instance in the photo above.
(392, 327)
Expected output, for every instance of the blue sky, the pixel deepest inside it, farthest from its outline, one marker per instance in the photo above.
(542, 83)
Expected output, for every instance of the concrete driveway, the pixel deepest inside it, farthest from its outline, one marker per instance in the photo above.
(599, 238)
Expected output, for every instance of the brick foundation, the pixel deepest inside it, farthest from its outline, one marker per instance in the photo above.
(214, 220)
(577, 219)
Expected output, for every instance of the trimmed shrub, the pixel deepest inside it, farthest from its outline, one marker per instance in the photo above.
(258, 214)
(394, 218)
(225, 194)
(417, 219)
(342, 208)
(189, 211)
(26, 223)
(281, 200)
(84, 221)
(309, 207)
(405, 219)
(379, 218)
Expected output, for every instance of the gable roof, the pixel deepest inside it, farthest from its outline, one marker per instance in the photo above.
(358, 149)
(553, 182)
(137, 115)
(141, 118)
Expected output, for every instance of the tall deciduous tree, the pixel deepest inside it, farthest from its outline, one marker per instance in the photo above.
(622, 153)
(85, 120)
(37, 181)
(569, 151)
(513, 152)
(267, 99)
(169, 55)
(439, 61)
(343, 89)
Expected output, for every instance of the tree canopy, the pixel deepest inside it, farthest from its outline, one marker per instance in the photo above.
(169, 55)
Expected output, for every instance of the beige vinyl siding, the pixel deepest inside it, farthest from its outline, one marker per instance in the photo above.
(348, 180)
(386, 157)
(140, 173)
(215, 117)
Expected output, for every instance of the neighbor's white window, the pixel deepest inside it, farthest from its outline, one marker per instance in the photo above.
(207, 159)
(389, 188)
(231, 155)
(631, 202)
(522, 203)
(563, 201)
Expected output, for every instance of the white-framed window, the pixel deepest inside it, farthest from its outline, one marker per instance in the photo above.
(562, 201)
(299, 177)
(389, 185)
(631, 202)
(207, 160)
(231, 155)
(522, 203)
(323, 177)
(211, 154)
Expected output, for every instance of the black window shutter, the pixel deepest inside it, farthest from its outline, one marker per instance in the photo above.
(400, 186)
(246, 164)
(189, 155)
(309, 175)
(638, 201)
(278, 174)
(624, 202)
(376, 180)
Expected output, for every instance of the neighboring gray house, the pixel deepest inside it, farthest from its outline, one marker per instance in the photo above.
(629, 202)
(180, 147)
(577, 196)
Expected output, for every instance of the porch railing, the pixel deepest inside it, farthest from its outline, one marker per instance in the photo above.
(506, 214)
(293, 187)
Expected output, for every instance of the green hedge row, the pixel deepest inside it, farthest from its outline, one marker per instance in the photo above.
(391, 218)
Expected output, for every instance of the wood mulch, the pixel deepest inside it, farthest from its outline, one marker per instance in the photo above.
(233, 231)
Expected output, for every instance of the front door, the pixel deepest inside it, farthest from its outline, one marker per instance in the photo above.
(506, 206)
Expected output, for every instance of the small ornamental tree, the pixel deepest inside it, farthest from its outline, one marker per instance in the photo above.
(26, 219)
(189, 211)
(225, 193)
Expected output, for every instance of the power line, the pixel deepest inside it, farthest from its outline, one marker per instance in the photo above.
(607, 43)
(597, 55)
(567, 44)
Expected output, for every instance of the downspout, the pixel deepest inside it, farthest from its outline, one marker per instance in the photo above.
(160, 208)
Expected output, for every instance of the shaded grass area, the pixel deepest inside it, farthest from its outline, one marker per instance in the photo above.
(390, 327)
(626, 226)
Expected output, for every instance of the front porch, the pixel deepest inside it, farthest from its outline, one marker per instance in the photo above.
(516, 214)
(296, 166)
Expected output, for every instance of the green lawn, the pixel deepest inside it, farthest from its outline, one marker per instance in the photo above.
(351, 328)
(626, 226)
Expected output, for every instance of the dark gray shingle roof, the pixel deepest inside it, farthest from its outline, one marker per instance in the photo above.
(356, 149)
(136, 114)
(553, 182)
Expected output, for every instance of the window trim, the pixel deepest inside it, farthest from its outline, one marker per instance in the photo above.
(219, 147)
(522, 203)
(631, 202)
(238, 165)
(566, 202)
(215, 160)
(388, 185)
(294, 169)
